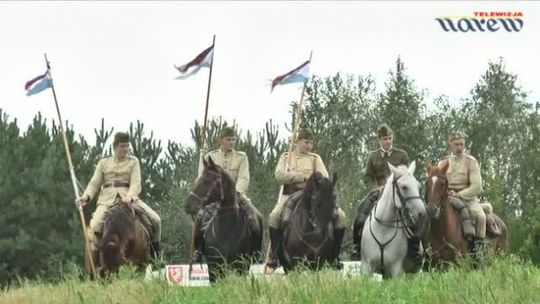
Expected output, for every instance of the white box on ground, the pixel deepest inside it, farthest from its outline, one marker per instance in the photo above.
(179, 275)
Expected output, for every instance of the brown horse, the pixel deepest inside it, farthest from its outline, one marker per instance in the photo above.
(125, 240)
(445, 239)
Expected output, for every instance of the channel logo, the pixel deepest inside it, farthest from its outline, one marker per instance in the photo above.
(483, 22)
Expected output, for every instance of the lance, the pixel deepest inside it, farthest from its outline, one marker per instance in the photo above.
(72, 173)
(202, 149)
(288, 162)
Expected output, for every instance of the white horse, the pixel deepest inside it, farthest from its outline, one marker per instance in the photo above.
(384, 238)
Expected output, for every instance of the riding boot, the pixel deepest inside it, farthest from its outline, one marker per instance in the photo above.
(338, 239)
(275, 243)
(154, 250)
(476, 246)
(413, 251)
(356, 254)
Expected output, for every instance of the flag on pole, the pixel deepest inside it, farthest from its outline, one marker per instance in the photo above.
(38, 84)
(204, 59)
(299, 74)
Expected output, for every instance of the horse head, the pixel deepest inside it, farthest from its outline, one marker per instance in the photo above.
(406, 193)
(436, 189)
(117, 228)
(214, 185)
(320, 198)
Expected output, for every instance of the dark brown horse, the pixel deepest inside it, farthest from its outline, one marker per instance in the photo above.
(124, 240)
(308, 231)
(231, 236)
(445, 239)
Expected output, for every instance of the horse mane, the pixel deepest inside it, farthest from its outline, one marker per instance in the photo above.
(118, 223)
(311, 184)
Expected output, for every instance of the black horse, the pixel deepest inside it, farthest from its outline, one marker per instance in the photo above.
(307, 223)
(225, 229)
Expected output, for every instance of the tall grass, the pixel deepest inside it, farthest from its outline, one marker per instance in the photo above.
(505, 280)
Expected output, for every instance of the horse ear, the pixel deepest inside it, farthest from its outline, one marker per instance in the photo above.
(445, 167)
(412, 167)
(428, 167)
(211, 162)
(334, 180)
(392, 169)
(205, 162)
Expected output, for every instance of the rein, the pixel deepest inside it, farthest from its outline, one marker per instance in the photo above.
(217, 183)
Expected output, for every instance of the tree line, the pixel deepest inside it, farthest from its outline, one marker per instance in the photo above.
(40, 233)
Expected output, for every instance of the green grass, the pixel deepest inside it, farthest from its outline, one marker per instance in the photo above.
(502, 281)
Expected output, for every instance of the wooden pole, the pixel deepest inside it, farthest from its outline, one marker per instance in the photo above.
(72, 173)
(288, 163)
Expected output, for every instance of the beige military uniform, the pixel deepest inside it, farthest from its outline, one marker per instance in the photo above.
(302, 166)
(116, 178)
(464, 177)
(236, 164)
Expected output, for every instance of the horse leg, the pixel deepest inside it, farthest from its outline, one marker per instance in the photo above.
(393, 270)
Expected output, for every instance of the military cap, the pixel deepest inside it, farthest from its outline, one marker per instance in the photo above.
(384, 130)
(456, 135)
(226, 132)
(305, 134)
(120, 137)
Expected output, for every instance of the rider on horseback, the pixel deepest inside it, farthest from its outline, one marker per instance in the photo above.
(236, 164)
(375, 178)
(118, 176)
(465, 184)
(303, 163)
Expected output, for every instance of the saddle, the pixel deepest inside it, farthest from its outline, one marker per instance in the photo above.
(493, 227)
(145, 221)
(208, 213)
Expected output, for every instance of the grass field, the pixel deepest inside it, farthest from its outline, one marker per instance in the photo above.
(500, 281)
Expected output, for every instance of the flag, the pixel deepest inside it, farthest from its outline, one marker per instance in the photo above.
(204, 59)
(300, 74)
(38, 84)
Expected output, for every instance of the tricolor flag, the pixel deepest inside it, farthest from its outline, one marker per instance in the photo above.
(38, 84)
(204, 59)
(300, 74)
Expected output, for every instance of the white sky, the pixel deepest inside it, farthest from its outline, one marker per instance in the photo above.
(115, 59)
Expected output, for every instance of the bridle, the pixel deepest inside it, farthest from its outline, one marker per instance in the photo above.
(405, 218)
(439, 208)
(404, 221)
(204, 198)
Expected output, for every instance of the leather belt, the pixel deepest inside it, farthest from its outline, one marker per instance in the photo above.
(116, 185)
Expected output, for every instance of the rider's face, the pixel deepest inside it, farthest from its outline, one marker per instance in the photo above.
(304, 145)
(386, 142)
(227, 143)
(457, 146)
(121, 150)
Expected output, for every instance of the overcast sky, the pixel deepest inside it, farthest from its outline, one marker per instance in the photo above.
(115, 59)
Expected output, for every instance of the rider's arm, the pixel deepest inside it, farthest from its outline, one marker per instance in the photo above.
(319, 166)
(475, 180)
(286, 176)
(406, 159)
(95, 182)
(369, 178)
(242, 182)
(135, 181)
